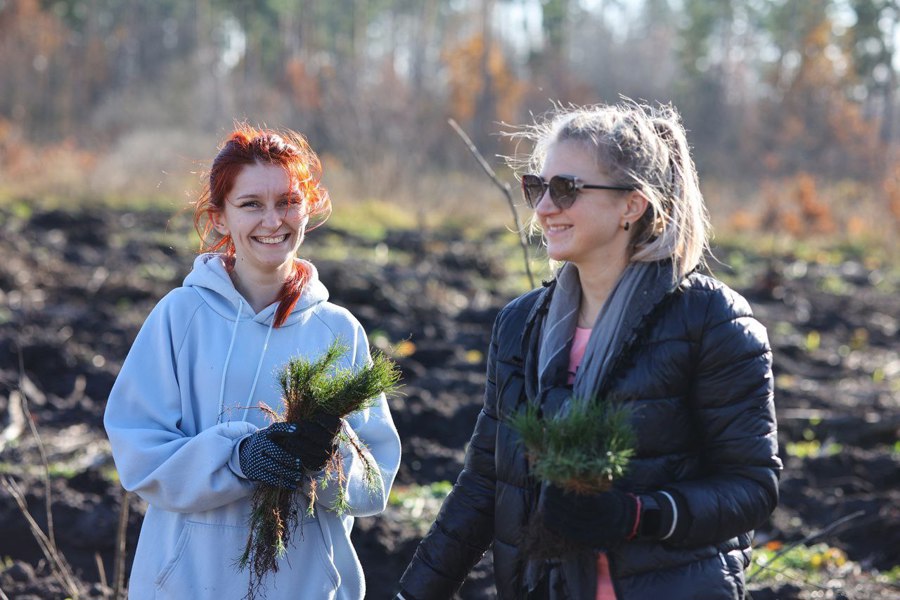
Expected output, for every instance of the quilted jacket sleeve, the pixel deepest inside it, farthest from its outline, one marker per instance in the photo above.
(464, 527)
(733, 402)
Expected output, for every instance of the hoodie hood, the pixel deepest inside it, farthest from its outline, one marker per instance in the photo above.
(210, 279)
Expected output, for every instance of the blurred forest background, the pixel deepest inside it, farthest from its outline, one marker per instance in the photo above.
(791, 106)
(110, 111)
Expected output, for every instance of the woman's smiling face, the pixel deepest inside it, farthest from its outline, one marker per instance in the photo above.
(589, 233)
(266, 221)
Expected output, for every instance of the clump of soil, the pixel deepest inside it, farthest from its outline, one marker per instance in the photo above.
(75, 288)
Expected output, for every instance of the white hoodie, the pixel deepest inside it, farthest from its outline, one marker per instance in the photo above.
(186, 396)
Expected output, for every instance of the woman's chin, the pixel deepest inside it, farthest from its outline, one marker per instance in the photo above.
(558, 255)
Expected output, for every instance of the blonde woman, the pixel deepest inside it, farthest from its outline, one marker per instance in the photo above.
(627, 318)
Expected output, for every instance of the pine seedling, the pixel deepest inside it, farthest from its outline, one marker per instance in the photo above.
(582, 449)
(309, 386)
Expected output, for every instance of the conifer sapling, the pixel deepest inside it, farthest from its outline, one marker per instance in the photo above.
(582, 450)
(310, 386)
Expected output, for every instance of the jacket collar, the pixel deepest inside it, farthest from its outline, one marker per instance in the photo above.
(642, 305)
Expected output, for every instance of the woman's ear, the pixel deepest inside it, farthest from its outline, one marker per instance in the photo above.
(218, 223)
(635, 207)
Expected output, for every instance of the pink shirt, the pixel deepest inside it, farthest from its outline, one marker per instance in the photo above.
(579, 345)
(605, 590)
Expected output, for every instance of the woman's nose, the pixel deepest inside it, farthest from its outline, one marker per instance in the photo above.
(546, 205)
(273, 217)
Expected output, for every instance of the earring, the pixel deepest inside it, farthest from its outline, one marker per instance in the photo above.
(627, 226)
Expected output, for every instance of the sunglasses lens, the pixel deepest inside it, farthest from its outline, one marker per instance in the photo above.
(532, 189)
(563, 191)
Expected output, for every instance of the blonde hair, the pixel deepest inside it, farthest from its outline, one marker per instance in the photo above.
(641, 146)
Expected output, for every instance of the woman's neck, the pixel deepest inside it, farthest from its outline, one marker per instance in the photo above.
(259, 289)
(596, 286)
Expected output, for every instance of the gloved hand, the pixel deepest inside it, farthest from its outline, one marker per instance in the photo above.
(599, 521)
(313, 441)
(265, 461)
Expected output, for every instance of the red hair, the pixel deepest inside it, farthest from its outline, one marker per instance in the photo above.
(247, 146)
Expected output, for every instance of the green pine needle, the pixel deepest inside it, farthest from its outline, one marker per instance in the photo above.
(308, 387)
(321, 385)
(583, 449)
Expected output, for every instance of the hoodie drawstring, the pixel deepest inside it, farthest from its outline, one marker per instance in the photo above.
(258, 367)
(262, 355)
(237, 319)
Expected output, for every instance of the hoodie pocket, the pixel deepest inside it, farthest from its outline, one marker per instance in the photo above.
(204, 562)
(176, 556)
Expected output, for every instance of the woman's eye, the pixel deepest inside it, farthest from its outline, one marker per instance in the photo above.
(250, 204)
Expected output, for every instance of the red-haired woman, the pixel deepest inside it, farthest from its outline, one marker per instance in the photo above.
(183, 418)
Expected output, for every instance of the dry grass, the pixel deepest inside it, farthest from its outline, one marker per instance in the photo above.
(804, 208)
(162, 169)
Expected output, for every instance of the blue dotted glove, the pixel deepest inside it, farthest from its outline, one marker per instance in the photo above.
(313, 441)
(265, 461)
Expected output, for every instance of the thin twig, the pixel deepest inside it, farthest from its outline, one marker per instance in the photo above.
(121, 536)
(504, 187)
(806, 540)
(101, 571)
(48, 502)
(60, 567)
(792, 574)
(58, 564)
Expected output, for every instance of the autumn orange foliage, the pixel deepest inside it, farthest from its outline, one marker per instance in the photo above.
(891, 189)
(814, 212)
(24, 163)
(464, 63)
(303, 84)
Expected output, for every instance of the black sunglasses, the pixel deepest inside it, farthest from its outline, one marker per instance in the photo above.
(563, 189)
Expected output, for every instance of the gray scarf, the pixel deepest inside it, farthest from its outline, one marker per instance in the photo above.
(562, 317)
(579, 573)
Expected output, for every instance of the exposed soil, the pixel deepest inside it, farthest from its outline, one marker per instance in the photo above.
(74, 289)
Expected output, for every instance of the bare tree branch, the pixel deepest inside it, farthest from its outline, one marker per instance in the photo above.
(504, 187)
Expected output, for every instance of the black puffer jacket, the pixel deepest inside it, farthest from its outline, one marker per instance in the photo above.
(697, 367)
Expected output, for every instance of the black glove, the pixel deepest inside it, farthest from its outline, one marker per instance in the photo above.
(265, 461)
(599, 521)
(313, 442)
